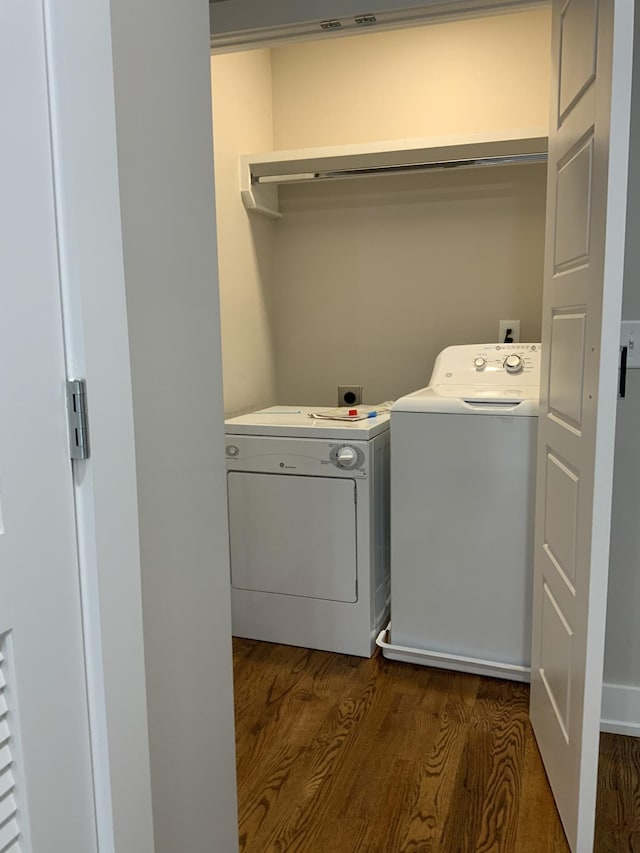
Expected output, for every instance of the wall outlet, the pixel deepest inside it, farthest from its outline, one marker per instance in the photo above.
(630, 338)
(349, 395)
(503, 330)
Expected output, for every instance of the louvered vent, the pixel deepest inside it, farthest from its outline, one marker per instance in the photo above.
(9, 826)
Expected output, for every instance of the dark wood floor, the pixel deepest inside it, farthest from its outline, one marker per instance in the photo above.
(342, 754)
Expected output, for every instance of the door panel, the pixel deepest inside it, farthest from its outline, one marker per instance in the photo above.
(578, 51)
(555, 659)
(45, 759)
(561, 517)
(573, 206)
(566, 367)
(586, 209)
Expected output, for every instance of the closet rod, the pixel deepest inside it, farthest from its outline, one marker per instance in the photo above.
(514, 159)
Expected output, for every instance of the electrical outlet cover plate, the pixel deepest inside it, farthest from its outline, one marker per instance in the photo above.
(504, 326)
(349, 395)
(630, 338)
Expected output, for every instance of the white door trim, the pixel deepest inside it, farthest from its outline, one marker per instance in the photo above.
(80, 71)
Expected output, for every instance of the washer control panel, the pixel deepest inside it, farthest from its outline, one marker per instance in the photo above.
(488, 365)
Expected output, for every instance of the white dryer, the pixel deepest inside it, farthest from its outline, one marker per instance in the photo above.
(462, 508)
(309, 528)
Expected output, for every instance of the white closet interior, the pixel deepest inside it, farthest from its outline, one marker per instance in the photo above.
(364, 280)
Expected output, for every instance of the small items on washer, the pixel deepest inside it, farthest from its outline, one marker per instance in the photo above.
(344, 413)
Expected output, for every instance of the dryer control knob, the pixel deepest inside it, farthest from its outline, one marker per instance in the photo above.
(480, 362)
(346, 457)
(513, 364)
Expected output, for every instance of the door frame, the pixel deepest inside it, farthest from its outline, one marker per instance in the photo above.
(90, 233)
(100, 55)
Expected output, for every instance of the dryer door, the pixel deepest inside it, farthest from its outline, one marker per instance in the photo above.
(293, 535)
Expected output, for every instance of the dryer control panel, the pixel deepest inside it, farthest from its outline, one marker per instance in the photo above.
(302, 456)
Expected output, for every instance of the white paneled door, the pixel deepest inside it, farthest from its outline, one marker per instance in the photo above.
(46, 790)
(586, 209)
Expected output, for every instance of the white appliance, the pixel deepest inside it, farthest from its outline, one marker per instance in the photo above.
(309, 528)
(462, 508)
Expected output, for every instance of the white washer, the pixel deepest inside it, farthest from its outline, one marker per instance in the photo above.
(462, 507)
(309, 528)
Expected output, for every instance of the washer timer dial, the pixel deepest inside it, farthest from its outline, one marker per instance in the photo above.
(513, 363)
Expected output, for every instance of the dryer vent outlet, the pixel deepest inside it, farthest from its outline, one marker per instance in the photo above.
(349, 395)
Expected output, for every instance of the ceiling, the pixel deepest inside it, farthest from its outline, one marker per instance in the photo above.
(244, 24)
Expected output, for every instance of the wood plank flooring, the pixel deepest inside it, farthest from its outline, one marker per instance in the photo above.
(618, 809)
(343, 754)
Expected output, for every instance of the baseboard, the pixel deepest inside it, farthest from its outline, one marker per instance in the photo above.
(620, 709)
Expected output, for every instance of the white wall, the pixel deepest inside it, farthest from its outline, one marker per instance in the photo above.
(243, 122)
(373, 277)
(363, 282)
(464, 76)
(165, 166)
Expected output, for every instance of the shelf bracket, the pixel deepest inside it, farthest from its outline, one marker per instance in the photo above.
(260, 198)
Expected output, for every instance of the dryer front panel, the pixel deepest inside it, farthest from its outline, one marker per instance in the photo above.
(293, 535)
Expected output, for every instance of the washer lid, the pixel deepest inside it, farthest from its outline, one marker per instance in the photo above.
(294, 422)
(481, 378)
